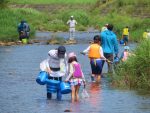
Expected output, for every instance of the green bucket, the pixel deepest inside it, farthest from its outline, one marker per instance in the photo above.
(24, 41)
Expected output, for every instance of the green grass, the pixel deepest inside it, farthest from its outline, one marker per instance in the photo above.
(10, 18)
(132, 2)
(91, 17)
(53, 1)
(135, 72)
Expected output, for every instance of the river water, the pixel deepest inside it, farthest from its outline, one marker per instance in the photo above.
(19, 92)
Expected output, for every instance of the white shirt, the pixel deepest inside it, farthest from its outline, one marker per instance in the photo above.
(55, 62)
(72, 23)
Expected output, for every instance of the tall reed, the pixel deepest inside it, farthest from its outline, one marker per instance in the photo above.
(135, 72)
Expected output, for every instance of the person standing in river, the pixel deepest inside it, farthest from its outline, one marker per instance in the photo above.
(57, 67)
(75, 76)
(110, 46)
(125, 35)
(72, 23)
(95, 54)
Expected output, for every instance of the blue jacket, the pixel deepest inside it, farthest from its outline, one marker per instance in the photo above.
(109, 42)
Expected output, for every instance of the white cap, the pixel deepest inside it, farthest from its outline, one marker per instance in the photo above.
(71, 16)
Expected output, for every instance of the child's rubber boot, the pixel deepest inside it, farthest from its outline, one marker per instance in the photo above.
(49, 95)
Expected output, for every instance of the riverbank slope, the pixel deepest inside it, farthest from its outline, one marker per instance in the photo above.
(52, 16)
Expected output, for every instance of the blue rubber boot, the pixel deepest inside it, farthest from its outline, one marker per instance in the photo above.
(49, 95)
(59, 95)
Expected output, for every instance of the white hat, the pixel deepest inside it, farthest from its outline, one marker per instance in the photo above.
(72, 54)
(71, 16)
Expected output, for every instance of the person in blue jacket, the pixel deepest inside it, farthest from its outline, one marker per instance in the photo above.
(109, 44)
(21, 30)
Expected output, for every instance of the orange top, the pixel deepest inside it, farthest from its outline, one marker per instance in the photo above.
(94, 51)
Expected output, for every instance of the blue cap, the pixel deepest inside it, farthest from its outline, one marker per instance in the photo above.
(126, 47)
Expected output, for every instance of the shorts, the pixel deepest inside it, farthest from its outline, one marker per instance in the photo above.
(76, 81)
(96, 66)
(125, 38)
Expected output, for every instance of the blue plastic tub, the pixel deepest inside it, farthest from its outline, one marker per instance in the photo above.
(65, 87)
(121, 41)
(41, 79)
(116, 59)
(52, 85)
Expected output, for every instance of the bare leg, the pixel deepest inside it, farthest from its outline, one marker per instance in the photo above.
(98, 78)
(93, 77)
(77, 87)
(73, 93)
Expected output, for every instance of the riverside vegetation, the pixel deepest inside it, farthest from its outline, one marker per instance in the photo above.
(135, 72)
(52, 15)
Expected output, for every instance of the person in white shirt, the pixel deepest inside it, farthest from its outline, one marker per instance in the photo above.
(72, 23)
(56, 65)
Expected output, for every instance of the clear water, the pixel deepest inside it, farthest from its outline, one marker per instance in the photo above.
(19, 92)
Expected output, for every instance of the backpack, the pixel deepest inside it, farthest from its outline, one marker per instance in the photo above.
(26, 27)
(77, 71)
(21, 27)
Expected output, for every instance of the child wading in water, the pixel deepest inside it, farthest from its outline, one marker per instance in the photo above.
(125, 54)
(95, 54)
(75, 77)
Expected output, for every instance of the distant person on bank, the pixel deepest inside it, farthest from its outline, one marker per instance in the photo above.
(72, 23)
(27, 29)
(23, 30)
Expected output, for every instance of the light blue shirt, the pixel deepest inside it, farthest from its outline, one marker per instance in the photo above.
(109, 42)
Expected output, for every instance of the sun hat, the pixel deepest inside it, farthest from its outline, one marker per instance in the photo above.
(106, 25)
(126, 47)
(72, 54)
(61, 51)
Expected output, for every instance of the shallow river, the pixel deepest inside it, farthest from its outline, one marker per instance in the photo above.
(19, 92)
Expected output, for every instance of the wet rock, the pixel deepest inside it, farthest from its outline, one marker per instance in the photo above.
(68, 110)
(72, 41)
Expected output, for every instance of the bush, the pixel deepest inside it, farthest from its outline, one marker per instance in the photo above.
(135, 72)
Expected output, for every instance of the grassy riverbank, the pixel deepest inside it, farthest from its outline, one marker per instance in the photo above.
(51, 15)
(135, 72)
(53, 1)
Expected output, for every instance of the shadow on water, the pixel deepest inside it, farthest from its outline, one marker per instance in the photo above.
(19, 92)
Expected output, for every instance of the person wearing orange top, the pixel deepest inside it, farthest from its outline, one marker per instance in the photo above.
(95, 54)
